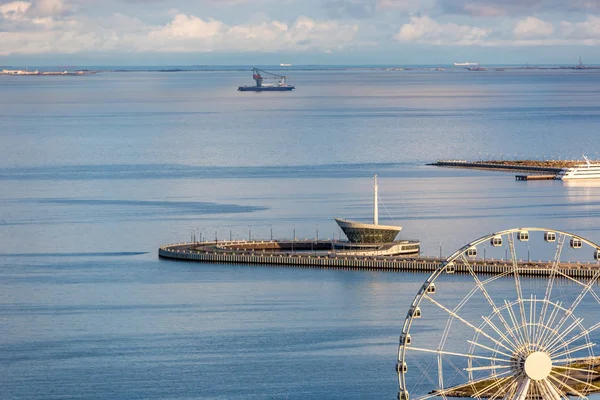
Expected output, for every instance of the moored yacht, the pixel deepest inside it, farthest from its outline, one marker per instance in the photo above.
(588, 170)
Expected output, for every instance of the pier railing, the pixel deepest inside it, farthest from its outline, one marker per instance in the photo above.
(210, 253)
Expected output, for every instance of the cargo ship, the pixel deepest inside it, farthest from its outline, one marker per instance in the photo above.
(280, 86)
(465, 64)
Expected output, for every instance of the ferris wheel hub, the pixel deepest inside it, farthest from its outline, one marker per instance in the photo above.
(538, 365)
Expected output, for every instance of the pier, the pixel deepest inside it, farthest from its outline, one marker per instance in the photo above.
(322, 254)
(546, 167)
(536, 177)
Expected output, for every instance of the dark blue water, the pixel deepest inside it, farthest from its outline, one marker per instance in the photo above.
(98, 171)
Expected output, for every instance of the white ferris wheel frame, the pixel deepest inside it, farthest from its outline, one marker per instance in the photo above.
(534, 378)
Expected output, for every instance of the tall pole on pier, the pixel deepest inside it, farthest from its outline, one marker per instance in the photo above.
(375, 210)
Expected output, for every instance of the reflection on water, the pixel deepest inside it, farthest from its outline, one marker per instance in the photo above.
(97, 172)
(583, 183)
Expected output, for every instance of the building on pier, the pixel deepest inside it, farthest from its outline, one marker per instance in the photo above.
(366, 238)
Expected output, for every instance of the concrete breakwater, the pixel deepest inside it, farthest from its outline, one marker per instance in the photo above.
(268, 253)
(524, 166)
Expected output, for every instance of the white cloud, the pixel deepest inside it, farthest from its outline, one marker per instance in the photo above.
(183, 33)
(586, 30)
(534, 32)
(425, 30)
(191, 34)
(184, 26)
(47, 8)
(14, 11)
(532, 27)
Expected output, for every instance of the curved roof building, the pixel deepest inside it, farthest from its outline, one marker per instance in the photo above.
(363, 233)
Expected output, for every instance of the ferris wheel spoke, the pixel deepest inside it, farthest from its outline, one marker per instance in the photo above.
(458, 372)
(450, 319)
(534, 390)
(488, 368)
(574, 369)
(587, 288)
(569, 388)
(488, 348)
(574, 359)
(573, 379)
(501, 391)
(531, 325)
(523, 389)
(489, 299)
(464, 321)
(590, 283)
(513, 257)
(547, 326)
(559, 337)
(513, 318)
(512, 389)
(449, 353)
(555, 263)
(502, 335)
(504, 391)
(444, 392)
(550, 390)
(492, 386)
(573, 350)
(574, 338)
(424, 372)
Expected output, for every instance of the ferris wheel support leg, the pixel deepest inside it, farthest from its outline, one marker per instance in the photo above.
(522, 390)
(550, 390)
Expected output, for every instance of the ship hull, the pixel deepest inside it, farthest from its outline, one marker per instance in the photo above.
(265, 88)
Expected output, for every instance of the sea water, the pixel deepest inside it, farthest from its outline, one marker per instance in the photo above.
(98, 171)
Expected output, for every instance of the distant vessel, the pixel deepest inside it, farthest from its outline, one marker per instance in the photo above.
(580, 65)
(465, 64)
(285, 65)
(582, 171)
(280, 86)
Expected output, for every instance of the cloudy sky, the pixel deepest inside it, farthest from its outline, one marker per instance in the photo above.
(175, 32)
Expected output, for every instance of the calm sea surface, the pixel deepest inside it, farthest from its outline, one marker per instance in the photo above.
(97, 172)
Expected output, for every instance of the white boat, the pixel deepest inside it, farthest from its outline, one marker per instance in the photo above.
(588, 170)
(465, 64)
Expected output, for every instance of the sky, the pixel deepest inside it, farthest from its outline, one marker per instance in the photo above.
(218, 32)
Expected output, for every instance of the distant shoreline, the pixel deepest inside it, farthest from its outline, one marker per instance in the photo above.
(47, 70)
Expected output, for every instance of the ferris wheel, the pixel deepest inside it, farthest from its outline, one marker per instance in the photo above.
(506, 334)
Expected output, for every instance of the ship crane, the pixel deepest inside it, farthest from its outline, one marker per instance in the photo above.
(256, 75)
(259, 75)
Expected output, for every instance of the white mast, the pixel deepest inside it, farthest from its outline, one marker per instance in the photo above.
(375, 210)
